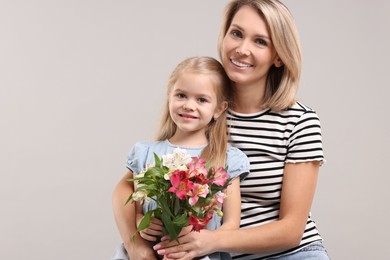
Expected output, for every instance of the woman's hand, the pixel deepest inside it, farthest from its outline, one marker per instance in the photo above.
(192, 245)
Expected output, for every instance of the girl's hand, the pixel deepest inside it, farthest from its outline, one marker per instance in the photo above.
(138, 248)
(153, 232)
(143, 253)
(192, 245)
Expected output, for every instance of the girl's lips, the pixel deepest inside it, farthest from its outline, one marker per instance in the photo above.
(187, 116)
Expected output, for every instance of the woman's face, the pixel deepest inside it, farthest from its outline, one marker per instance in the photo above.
(247, 52)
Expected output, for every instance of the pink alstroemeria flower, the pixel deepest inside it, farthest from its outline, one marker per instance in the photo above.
(181, 185)
(220, 177)
(197, 168)
(197, 191)
(199, 223)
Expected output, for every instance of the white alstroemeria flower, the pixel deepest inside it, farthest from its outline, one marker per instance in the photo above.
(177, 160)
(140, 195)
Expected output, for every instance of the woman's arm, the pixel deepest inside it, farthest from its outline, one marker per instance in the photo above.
(125, 217)
(232, 206)
(298, 189)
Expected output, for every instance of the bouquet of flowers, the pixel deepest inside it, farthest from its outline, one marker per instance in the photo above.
(186, 190)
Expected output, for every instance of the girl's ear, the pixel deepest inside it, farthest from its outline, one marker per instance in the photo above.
(220, 109)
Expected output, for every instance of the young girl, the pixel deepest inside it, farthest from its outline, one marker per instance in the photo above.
(194, 119)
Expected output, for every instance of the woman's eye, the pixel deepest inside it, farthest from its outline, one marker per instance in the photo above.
(261, 42)
(236, 33)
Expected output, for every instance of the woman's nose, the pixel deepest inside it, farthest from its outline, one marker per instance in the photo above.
(243, 49)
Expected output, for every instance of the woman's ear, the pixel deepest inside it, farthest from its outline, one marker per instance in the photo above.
(220, 109)
(278, 62)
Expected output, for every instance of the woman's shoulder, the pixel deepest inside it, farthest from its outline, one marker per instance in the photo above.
(298, 108)
(297, 112)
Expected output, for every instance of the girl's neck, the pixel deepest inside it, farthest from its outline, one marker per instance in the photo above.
(248, 99)
(189, 139)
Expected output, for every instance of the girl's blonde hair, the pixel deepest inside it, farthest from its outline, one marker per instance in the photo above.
(216, 132)
(282, 82)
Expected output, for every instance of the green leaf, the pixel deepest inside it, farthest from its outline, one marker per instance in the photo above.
(157, 161)
(168, 224)
(154, 172)
(130, 197)
(197, 209)
(181, 220)
(176, 206)
(145, 222)
(165, 207)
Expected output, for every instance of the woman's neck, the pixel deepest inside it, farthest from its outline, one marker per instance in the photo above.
(248, 99)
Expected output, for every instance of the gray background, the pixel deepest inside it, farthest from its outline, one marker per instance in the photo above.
(81, 81)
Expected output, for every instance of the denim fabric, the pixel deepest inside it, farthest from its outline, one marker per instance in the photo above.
(314, 251)
(121, 254)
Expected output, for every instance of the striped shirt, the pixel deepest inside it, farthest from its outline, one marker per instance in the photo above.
(271, 139)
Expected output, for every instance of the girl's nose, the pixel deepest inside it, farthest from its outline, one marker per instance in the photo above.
(188, 105)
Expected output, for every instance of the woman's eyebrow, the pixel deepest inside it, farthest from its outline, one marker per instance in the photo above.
(257, 35)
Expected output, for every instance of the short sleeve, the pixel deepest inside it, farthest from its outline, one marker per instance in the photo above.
(237, 163)
(305, 142)
(136, 159)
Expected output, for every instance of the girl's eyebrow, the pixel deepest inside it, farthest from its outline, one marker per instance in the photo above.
(257, 35)
(197, 94)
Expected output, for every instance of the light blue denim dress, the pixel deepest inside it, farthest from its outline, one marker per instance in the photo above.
(141, 155)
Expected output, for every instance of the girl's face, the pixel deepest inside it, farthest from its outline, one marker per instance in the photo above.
(247, 51)
(193, 103)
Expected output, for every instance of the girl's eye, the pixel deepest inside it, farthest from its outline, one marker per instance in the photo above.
(202, 100)
(180, 95)
(261, 42)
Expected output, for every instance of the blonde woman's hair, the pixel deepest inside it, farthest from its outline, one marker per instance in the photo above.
(282, 82)
(216, 132)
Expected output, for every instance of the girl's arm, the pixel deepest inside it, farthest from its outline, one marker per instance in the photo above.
(298, 189)
(125, 217)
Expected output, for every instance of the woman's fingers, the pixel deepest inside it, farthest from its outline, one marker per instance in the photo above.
(185, 230)
(178, 255)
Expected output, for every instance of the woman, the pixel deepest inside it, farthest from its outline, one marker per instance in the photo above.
(260, 51)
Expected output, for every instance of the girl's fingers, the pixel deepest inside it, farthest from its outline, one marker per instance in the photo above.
(153, 231)
(148, 237)
(156, 222)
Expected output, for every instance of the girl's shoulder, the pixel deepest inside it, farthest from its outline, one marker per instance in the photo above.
(237, 162)
(143, 145)
(234, 152)
(142, 149)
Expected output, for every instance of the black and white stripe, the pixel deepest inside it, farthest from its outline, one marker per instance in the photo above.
(270, 140)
